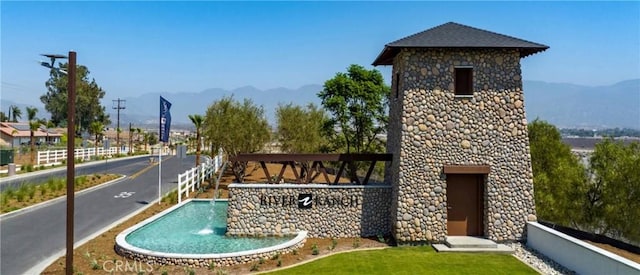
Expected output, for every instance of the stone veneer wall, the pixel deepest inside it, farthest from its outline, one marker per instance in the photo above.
(337, 211)
(206, 261)
(430, 127)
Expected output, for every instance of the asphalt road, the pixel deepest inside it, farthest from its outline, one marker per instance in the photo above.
(31, 237)
(125, 166)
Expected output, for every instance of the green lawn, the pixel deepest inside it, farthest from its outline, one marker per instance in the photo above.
(412, 260)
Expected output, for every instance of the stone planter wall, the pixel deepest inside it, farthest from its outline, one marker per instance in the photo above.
(334, 210)
(206, 261)
(430, 127)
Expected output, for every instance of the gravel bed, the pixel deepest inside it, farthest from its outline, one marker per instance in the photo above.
(535, 259)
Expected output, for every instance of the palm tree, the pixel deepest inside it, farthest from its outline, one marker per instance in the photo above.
(96, 128)
(33, 126)
(197, 121)
(137, 131)
(146, 140)
(15, 113)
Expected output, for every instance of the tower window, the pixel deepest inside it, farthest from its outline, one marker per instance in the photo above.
(464, 81)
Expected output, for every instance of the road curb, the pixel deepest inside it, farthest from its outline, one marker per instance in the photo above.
(63, 197)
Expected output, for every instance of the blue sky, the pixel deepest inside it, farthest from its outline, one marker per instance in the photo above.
(132, 48)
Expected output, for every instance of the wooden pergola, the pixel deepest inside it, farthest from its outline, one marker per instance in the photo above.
(317, 167)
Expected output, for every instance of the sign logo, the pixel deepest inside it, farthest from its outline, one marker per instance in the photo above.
(304, 201)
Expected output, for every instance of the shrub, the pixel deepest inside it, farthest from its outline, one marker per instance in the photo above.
(279, 263)
(334, 243)
(294, 252)
(171, 198)
(254, 267)
(261, 261)
(314, 249)
(9, 192)
(21, 193)
(28, 168)
(95, 265)
(80, 181)
(50, 184)
(60, 184)
(31, 191)
(356, 243)
(4, 199)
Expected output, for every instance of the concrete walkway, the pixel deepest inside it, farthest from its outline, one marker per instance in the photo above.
(471, 244)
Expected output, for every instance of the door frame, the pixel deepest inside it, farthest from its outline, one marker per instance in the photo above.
(481, 174)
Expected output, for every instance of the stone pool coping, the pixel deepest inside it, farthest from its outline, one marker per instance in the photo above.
(123, 248)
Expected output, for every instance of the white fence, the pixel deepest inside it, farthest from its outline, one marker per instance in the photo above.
(52, 156)
(574, 254)
(192, 178)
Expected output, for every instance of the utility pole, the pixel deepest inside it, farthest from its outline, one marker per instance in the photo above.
(118, 104)
(130, 136)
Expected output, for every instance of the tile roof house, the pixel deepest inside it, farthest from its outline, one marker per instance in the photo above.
(16, 134)
(458, 135)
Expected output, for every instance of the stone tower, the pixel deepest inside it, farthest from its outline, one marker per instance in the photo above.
(458, 134)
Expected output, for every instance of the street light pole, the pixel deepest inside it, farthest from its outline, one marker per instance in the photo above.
(71, 125)
(71, 110)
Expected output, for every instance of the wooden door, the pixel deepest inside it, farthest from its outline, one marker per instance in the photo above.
(464, 204)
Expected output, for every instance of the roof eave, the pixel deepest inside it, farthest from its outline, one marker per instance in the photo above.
(386, 56)
(389, 52)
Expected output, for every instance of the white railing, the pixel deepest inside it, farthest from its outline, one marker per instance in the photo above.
(52, 156)
(192, 178)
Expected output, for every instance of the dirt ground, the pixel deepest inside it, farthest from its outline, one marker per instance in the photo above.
(98, 256)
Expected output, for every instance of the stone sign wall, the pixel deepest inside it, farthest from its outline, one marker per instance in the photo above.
(322, 210)
(430, 127)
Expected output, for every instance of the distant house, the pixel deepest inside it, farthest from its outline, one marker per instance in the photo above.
(458, 135)
(16, 134)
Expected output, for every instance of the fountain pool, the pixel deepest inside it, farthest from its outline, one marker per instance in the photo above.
(186, 234)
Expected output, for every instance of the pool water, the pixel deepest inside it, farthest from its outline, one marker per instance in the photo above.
(197, 227)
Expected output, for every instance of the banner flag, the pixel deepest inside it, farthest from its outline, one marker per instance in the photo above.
(165, 119)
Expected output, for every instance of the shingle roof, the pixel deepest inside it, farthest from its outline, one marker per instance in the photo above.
(454, 35)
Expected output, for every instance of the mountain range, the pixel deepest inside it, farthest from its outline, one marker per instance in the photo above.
(564, 105)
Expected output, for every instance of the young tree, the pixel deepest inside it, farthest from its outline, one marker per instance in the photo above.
(613, 205)
(197, 121)
(236, 128)
(357, 101)
(88, 96)
(3, 117)
(300, 129)
(34, 124)
(559, 178)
